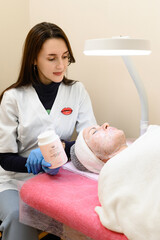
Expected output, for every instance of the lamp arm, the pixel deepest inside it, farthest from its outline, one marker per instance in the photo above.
(141, 91)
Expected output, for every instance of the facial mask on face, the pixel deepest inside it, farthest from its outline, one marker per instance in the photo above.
(105, 143)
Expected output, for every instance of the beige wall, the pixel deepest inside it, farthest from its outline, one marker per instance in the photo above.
(112, 91)
(14, 24)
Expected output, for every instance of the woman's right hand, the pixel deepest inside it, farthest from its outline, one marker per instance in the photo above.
(34, 161)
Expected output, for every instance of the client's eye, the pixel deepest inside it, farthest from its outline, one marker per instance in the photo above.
(94, 131)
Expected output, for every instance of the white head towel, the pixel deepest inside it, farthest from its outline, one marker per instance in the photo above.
(86, 156)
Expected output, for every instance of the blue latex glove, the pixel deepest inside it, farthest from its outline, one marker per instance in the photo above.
(45, 167)
(34, 161)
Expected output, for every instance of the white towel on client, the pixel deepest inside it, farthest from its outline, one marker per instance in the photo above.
(129, 189)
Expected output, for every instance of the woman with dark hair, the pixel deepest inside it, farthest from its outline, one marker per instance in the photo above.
(41, 99)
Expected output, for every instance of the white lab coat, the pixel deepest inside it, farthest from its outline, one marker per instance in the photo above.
(23, 118)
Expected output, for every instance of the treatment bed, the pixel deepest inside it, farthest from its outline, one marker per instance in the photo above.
(64, 205)
(125, 199)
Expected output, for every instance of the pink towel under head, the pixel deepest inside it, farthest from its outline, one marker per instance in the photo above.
(68, 198)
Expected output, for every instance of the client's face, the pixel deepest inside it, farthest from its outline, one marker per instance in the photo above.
(104, 141)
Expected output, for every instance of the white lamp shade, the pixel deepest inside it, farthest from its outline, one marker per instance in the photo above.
(117, 47)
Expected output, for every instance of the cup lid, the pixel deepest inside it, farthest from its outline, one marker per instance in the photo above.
(46, 136)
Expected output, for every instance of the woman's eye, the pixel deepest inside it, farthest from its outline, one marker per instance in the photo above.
(51, 59)
(64, 57)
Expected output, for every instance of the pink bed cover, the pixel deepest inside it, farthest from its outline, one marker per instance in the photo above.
(68, 198)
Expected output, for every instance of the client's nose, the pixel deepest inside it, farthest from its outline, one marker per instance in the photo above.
(105, 125)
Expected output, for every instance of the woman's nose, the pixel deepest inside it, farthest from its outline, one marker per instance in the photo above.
(105, 125)
(59, 63)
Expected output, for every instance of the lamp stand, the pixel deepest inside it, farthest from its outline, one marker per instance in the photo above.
(141, 91)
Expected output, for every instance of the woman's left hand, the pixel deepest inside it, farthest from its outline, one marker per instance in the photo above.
(50, 171)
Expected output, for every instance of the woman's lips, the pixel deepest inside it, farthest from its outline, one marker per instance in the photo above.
(58, 73)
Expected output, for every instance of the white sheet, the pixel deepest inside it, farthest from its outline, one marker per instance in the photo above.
(70, 167)
(129, 189)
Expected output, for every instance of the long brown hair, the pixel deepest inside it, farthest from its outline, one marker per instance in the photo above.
(33, 44)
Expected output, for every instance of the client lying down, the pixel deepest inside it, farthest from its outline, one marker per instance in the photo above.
(128, 185)
(95, 145)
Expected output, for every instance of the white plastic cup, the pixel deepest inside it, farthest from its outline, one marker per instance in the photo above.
(52, 149)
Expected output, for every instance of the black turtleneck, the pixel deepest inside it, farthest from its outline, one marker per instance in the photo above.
(47, 94)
